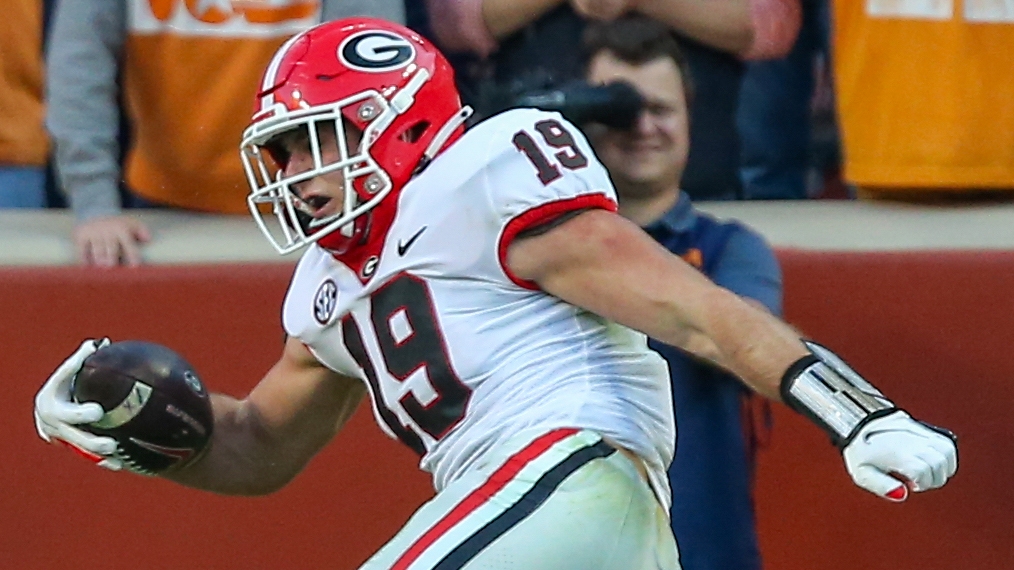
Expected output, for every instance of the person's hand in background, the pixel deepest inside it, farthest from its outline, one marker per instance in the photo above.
(604, 10)
(111, 240)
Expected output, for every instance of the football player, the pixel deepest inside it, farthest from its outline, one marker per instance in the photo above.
(482, 289)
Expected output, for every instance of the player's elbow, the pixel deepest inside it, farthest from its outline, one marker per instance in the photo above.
(257, 478)
(273, 462)
(246, 456)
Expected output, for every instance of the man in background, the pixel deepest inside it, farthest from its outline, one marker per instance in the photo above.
(503, 46)
(185, 74)
(711, 476)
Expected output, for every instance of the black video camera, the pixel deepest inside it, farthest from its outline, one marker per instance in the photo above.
(615, 105)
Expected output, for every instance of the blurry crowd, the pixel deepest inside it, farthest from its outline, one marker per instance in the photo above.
(109, 106)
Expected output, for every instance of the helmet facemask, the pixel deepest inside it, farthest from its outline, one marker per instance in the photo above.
(383, 79)
(365, 184)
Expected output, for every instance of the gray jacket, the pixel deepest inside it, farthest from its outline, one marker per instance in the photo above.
(83, 114)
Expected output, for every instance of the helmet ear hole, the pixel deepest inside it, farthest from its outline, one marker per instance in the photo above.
(415, 132)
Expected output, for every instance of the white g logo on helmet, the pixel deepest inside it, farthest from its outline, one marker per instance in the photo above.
(376, 51)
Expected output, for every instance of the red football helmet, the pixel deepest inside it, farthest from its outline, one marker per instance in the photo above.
(381, 78)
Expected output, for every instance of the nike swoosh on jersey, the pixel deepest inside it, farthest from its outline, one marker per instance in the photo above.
(403, 246)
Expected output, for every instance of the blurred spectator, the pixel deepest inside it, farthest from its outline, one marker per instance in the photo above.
(711, 476)
(188, 71)
(777, 110)
(924, 94)
(531, 43)
(23, 141)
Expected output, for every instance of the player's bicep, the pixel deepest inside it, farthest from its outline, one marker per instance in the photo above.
(603, 263)
(301, 400)
(607, 265)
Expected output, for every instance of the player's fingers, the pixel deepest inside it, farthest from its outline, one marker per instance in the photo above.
(934, 473)
(946, 447)
(96, 444)
(59, 380)
(918, 469)
(952, 460)
(70, 366)
(879, 483)
(93, 457)
(71, 413)
(43, 428)
(110, 463)
(898, 494)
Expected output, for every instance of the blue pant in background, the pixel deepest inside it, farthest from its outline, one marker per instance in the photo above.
(774, 116)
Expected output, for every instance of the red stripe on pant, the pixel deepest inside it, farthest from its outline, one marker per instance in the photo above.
(498, 480)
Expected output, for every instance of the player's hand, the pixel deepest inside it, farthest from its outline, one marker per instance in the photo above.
(895, 454)
(110, 241)
(56, 415)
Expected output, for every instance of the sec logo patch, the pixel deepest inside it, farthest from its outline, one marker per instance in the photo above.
(325, 302)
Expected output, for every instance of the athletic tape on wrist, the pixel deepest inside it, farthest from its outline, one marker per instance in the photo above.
(831, 394)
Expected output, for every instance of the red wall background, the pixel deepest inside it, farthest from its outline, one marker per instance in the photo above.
(933, 330)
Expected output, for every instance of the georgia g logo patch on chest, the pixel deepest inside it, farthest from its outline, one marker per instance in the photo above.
(376, 51)
(325, 302)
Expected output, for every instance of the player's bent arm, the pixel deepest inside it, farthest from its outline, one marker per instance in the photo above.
(606, 264)
(261, 442)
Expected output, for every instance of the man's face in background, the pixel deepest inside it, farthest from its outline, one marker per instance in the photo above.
(651, 156)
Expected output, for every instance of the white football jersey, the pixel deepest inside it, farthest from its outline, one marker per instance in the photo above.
(458, 353)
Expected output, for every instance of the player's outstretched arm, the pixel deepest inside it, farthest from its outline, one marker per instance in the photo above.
(602, 262)
(261, 442)
(258, 444)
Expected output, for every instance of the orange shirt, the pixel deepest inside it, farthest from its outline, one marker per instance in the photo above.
(926, 93)
(191, 71)
(22, 135)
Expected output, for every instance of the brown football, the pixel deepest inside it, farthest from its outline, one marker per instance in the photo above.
(157, 408)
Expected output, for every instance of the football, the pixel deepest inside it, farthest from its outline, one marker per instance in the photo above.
(156, 406)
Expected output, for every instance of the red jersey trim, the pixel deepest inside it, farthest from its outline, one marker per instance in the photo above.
(497, 481)
(539, 215)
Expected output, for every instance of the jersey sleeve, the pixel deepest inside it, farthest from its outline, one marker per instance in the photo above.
(296, 318)
(311, 312)
(541, 167)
